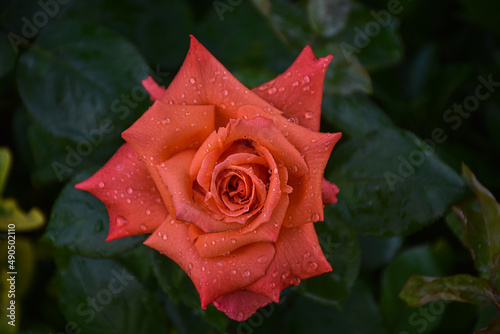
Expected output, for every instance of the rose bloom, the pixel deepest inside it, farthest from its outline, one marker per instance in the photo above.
(227, 181)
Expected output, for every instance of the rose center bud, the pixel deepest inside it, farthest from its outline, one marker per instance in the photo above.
(239, 181)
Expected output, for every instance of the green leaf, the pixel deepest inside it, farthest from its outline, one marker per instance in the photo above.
(420, 290)
(485, 316)
(79, 223)
(10, 212)
(377, 252)
(288, 19)
(391, 184)
(7, 55)
(398, 316)
(373, 38)
(344, 76)
(144, 23)
(354, 114)
(361, 315)
(180, 289)
(341, 249)
(328, 17)
(493, 328)
(5, 165)
(101, 296)
(81, 81)
(482, 229)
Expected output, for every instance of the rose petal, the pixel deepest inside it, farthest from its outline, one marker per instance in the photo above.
(155, 91)
(202, 79)
(329, 192)
(298, 256)
(259, 129)
(215, 244)
(165, 130)
(306, 203)
(299, 90)
(240, 305)
(216, 276)
(174, 175)
(123, 184)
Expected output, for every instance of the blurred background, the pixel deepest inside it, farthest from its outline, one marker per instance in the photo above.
(414, 87)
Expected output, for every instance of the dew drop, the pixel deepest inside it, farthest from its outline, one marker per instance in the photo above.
(157, 199)
(190, 266)
(262, 259)
(165, 237)
(120, 221)
(306, 255)
(315, 217)
(271, 91)
(148, 212)
(272, 285)
(295, 83)
(308, 114)
(129, 190)
(203, 268)
(306, 78)
(239, 317)
(143, 227)
(224, 92)
(246, 273)
(313, 265)
(192, 80)
(305, 88)
(294, 168)
(233, 241)
(233, 272)
(101, 184)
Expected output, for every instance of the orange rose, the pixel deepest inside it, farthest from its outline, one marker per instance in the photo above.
(228, 181)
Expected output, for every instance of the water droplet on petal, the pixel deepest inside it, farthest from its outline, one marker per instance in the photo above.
(271, 90)
(148, 212)
(120, 221)
(190, 266)
(233, 272)
(143, 227)
(313, 265)
(192, 80)
(233, 241)
(306, 78)
(246, 273)
(203, 268)
(129, 190)
(295, 83)
(272, 285)
(101, 184)
(294, 168)
(165, 237)
(224, 92)
(166, 120)
(309, 114)
(306, 255)
(315, 217)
